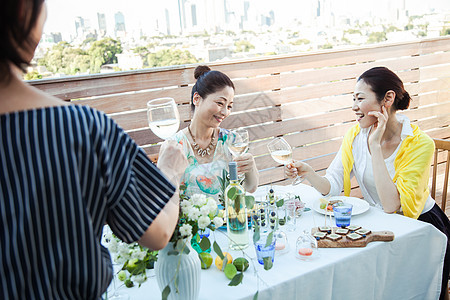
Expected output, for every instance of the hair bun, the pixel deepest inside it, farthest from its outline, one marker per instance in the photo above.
(404, 102)
(200, 70)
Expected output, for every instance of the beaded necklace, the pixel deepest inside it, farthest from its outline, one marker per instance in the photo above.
(202, 152)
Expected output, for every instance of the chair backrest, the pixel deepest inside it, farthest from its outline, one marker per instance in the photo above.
(441, 161)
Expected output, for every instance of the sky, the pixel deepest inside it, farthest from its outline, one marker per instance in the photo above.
(143, 13)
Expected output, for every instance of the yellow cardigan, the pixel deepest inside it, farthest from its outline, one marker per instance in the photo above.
(412, 168)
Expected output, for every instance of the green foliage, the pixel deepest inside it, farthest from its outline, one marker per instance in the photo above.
(326, 46)
(392, 28)
(170, 57)
(376, 37)
(301, 42)
(409, 26)
(353, 31)
(103, 52)
(445, 31)
(243, 46)
(32, 75)
(64, 58)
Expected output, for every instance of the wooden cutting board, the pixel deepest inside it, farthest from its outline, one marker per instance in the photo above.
(345, 242)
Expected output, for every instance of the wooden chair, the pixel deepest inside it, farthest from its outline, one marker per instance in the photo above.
(441, 146)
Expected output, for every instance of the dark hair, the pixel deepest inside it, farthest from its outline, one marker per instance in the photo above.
(17, 19)
(208, 82)
(381, 80)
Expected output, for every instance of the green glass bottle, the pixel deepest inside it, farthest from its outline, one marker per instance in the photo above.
(237, 223)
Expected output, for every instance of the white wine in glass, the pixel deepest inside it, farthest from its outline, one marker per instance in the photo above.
(281, 152)
(239, 142)
(163, 117)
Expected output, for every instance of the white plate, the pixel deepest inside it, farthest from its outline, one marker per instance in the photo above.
(359, 206)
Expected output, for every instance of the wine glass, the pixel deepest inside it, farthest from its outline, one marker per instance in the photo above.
(163, 117)
(239, 145)
(281, 152)
(239, 142)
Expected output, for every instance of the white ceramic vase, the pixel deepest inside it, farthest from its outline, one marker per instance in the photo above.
(188, 275)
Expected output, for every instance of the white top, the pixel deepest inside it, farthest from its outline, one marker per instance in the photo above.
(362, 167)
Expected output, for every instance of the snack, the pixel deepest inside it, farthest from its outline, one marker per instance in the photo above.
(342, 231)
(363, 231)
(334, 237)
(324, 228)
(353, 227)
(354, 236)
(320, 234)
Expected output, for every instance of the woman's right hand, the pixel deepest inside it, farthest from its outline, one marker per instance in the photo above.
(172, 161)
(297, 168)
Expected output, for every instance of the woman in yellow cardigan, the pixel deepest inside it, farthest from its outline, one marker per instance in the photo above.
(389, 157)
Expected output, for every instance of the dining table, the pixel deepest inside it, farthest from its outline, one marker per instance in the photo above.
(408, 267)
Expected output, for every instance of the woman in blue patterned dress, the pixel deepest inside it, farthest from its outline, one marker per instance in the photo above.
(205, 144)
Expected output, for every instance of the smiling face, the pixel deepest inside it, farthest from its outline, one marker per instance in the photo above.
(213, 109)
(364, 101)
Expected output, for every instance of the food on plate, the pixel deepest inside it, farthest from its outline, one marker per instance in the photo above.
(328, 204)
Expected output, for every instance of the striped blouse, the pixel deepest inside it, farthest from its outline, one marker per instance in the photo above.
(65, 172)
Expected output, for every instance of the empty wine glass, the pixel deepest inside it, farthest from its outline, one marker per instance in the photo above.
(281, 152)
(239, 144)
(163, 117)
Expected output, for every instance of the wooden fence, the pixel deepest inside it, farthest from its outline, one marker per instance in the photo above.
(305, 97)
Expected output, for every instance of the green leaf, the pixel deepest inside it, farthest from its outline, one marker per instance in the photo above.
(256, 235)
(205, 244)
(249, 201)
(280, 203)
(255, 297)
(173, 252)
(231, 194)
(186, 249)
(267, 263)
(269, 239)
(218, 250)
(237, 279)
(165, 293)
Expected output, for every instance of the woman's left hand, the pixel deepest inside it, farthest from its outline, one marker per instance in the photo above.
(379, 127)
(245, 163)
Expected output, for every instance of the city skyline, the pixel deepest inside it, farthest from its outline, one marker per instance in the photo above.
(151, 16)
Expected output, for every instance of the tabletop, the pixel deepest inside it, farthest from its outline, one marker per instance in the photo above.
(407, 268)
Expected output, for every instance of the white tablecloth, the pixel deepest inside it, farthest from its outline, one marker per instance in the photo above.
(407, 268)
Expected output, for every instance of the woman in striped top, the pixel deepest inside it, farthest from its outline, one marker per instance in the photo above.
(66, 171)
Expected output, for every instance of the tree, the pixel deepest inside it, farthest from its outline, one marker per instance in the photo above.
(32, 75)
(445, 31)
(376, 37)
(243, 46)
(170, 57)
(301, 42)
(103, 52)
(63, 58)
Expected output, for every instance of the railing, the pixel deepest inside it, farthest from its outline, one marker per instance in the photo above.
(305, 97)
